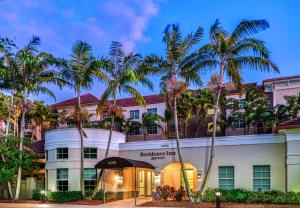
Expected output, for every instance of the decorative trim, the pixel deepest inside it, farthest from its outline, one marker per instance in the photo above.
(204, 142)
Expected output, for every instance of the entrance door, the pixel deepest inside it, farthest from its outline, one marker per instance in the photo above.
(145, 183)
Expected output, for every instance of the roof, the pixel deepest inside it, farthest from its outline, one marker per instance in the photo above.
(281, 78)
(150, 99)
(85, 99)
(289, 124)
(120, 163)
(123, 102)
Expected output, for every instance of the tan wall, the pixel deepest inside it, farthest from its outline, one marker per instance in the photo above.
(242, 157)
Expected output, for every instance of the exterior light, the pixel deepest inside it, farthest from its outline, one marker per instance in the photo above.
(218, 199)
(43, 197)
(119, 178)
(199, 176)
(157, 179)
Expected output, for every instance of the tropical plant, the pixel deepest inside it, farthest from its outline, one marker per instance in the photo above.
(80, 71)
(204, 102)
(123, 72)
(233, 52)
(293, 105)
(32, 69)
(128, 126)
(186, 108)
(179, 68)
(150, 120)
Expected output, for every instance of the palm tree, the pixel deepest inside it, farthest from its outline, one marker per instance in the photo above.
(128, 125)
(186, 107)
(33, 72)
(234, 52)
(179, 68)
(293, 105)
(151, 120)
(80, 71)
(204, 102)
(123, 72)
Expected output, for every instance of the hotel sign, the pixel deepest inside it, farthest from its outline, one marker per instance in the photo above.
(157, 155)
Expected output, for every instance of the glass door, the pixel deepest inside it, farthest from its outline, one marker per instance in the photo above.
(145, 183)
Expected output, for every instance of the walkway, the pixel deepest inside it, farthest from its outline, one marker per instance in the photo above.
(117, 204)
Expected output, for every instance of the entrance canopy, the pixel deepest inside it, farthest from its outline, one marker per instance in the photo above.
(120, 163)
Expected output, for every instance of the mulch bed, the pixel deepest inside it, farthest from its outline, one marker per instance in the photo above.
(212, 205)
(81, 202)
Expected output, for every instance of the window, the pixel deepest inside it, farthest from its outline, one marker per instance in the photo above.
(172, 128)
(134, 114)
(90, 153)
(241, 103)
(27, 124)
(106, 117)
(238, 124)
(152, 129)
(152, 111)
(62, 176)
(90, 177)
(135, 132)
(261, 177)
(190, 178)
(62, 153)
(226, 177)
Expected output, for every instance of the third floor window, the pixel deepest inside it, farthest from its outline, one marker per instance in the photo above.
(152, 111)
(134, 114)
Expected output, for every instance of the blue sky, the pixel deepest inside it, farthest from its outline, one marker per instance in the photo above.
(138, 24)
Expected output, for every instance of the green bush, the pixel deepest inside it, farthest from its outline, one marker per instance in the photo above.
(36, 194)
(64, 196)
(240, 195)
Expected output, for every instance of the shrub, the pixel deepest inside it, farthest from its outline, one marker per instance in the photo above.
(36, 194)
(64, 196)
(240, 195)
(180, 194)
(166, 192)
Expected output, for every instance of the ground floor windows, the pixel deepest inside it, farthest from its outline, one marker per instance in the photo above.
(152, 129)
(190, 178)
(226, 177)
(62, 176)
(261, 177)
(90, 178)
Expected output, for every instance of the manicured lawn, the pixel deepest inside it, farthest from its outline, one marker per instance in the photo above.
(212, 205)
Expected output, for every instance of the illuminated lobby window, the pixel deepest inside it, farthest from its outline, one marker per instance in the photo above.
(226, 177)
(190, 177)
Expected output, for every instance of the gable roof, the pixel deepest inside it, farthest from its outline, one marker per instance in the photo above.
(85, 99)
(281, 78)
(123, 102)
(289, 124)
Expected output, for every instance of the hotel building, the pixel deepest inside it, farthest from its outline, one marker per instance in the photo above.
(261, 161)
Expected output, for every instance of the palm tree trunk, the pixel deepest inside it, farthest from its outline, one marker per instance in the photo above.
(98, 184)
(212, 148)
(22, 135)
(81, 148)
(9, 112)
(186, 183)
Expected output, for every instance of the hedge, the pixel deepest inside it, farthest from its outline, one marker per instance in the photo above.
(240, 195)
(64, 196)
(36, 194)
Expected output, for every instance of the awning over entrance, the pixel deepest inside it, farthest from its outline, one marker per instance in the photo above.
(120, 163)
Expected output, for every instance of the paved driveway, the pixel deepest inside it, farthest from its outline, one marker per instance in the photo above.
(121, 204)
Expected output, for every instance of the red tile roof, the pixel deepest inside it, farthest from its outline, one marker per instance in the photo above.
(289, 124)
(123, 102)
(281, 78)
(85, 99)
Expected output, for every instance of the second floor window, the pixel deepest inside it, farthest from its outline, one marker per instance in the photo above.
(90, 153)
(241, 103)
(238, 124)
(106, 117)
(62, 153)
(134, 114)
(152, 129)
(152, 111)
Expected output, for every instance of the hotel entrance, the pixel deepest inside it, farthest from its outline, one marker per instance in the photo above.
(146, 183)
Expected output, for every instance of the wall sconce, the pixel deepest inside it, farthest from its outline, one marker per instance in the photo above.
(157, 179)
(199, 176)
(119, 177)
